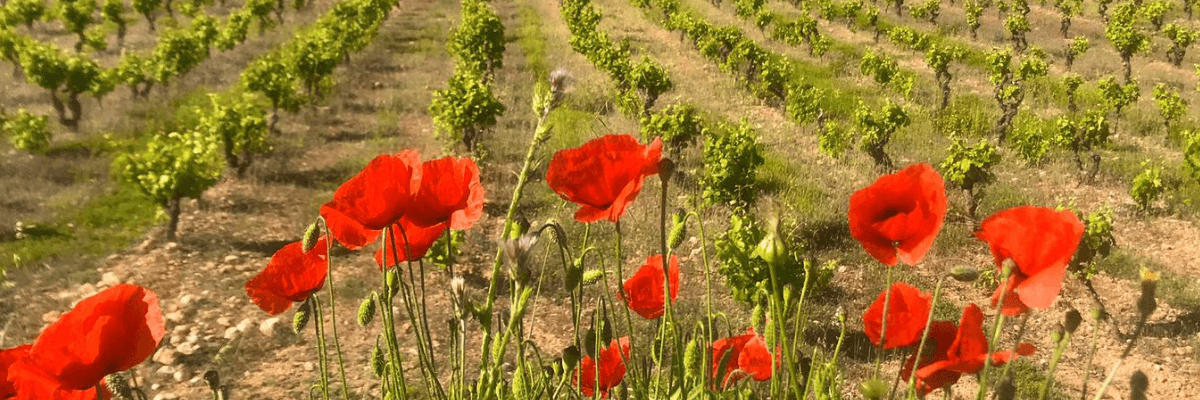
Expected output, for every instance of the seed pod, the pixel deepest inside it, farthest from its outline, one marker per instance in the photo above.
(963, 273)
(678, 229)
(772, 248)
(213, 379)
(873, 389)
(300, 320)
(666, 168)
(592, 276)
(117, 384)
(366, 310)
(310, 238)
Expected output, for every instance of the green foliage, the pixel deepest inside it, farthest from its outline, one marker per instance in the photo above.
(1170, 105)
(1147, 187)
(76, 16)
(970, 168)
(270, 76)
(1067, 9)
(1125, 36)
(1032, 138)
(313, 57)
(465, 109)
(237, 26)
(835, 140)
(1181, 38)
(447, 248)
(906, 37)
(112, 12)
(1116, 96)
(732, 155)
(1078, 46)
(803, 102)
(173, 166)
(478, 41)
(678, 125)
(1191, 153)
(239, 122)
(650, 79)
(927, 9)
(26, 131)
(23, 12)
(1155, 12)
(802, 30)
(178, 52)
(973, 10)
(1017, 25)
(875, 130)
(746, 274)
(886, 71)
(147, 9)
(1088, 134)
(747, 8)
(1097, 243)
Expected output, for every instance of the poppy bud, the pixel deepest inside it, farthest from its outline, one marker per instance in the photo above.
(873, 389)
(1146, 303)
(772, 249)
(213, 379)
(757, 315)
(366, 310)
(377, 362)
(118, 385)
(1057, 336)
(458, 292)
(310, 238)
(300, 320)
(1098, 314)
(571, 357)
(963, 273)
(520, 385)
(1138, 385)
(678, 229)
(393, 282)
(666, 168)
(1006, 390)
(574, 275)
(691, 358)
(1073, 320)
(519, 227)
(592, 276)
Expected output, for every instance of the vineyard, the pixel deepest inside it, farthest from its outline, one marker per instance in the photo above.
(495, 198)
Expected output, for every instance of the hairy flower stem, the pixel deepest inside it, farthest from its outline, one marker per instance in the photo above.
(777, 309)
(395, 362)
(333, 308)
(997, 329)
(1061, 346)
(668, 309)
(708, 307)
(621, 288)
(412, 307)
(1087, 366)
(321, 356)
(1129, 344)
(912, 378)
(887, 301)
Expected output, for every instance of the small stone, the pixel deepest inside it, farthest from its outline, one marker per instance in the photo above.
(165, 370)
(176, 316)
(187, 348)
(51, 316)
(155, 387)
(268, 326)
(145, 246)
(245, 324)
(165, 396)
(308, 366)
(171, 246)
(110, 279)
(187, 300)
(182, 374)
(224, 321)
(229, 259)
(224, 268)
(165, 356)
(231, 332)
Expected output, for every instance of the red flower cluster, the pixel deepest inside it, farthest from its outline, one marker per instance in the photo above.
(907, 311)
(290, 277)
(604, 175)
(1041, 242)
(747, 357)
(418, 201)
(898, 216)
(611, 369)
(107, 333)
(644, 290)
(957, 350)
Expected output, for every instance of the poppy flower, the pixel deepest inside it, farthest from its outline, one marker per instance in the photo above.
(7, 358)
(420, 240)
(109, 332)
(644, 290)
(898, 216)
(604, 175)
(747, 357)
(291, 276)
(611, 368)
(957, 350)
(1040, 241)
(31, 383)
(377, 197)
(907, 311)
(449, 192)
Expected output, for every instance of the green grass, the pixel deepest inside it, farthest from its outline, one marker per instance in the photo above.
(533, 42)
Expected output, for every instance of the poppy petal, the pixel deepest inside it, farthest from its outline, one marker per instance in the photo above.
(604, 175)
(908, 309)
(7, 358)
(291, 276)
(643, 292)
(898, 216)
(346, 230)
(450, 192)
(380, 194)
(420, 240)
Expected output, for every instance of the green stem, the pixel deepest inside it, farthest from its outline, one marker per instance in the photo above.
(996, 330)
(887, 302)
(708, 306)
(321, 356)
(333, 309)
(1087, 367)
(1058, 352)
(912, 378)
(668, 308)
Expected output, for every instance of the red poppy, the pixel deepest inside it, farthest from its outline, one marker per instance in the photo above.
(1041, 242)
(644, 290)
(31, 383)
(899, 215)
(420, 240)
(375, 198)
(747, 357)
(291, 276)
(908, 309)
(612, 369)
(604, 175)
(450, 192)
(109, 332)
(957, 350)
(7, 358)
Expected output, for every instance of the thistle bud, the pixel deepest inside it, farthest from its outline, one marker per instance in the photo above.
(366, 310)
(1146, 303)
(377, 362)
(592, 276)
(772, 248)
(300, 320)
(1073, 319)
(873, 389)
(678, 229)
(310, 237)
(117, 384)
(963, 273)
